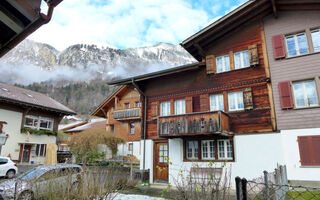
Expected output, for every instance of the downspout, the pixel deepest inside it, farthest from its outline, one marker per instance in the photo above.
(144, 122)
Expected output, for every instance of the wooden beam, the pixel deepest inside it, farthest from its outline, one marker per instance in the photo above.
(274, 8)
(10, 23)
(200, 50)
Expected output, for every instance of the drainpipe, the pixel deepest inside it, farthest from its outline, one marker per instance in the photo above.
(144, 122)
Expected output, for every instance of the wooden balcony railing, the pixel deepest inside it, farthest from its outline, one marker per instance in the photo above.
(200, 123)
(126, 114)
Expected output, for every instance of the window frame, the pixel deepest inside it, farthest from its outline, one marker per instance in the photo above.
(126, 105)
(131, 128)
(168, 107)
(200, 149)
(38, 118)
(208, 150)
(295, 37)
(226, 157)
(183, 106)
(210, 101)
(236, 102)
(242, 61)
(41, 150)
(193, 152)
(312, 40)
(305, 95)
(224, 63)
(130, 148)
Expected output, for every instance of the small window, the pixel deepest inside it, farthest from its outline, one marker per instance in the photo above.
(235, 100)
(127, 105)
(138, 104)
(31, 121)
(192, 150)
(305, 94)
(208, 149)
(297, 44)
(225, 150)
(165, 108)
(3, 161)
(41, 150)
(315, 34)
(132, 128)
(309, 150)
(46, 123)
(112, 128)
(180, 107)
(241, 59)
(223, 63)
(130, 147)
(216, 102)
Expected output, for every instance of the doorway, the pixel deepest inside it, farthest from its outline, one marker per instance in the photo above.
(25, 150)
(161, 161)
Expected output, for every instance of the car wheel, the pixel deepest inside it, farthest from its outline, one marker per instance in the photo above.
(26, 195)
(10, 173)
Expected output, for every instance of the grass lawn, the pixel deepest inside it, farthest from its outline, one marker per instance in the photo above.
(303, 195)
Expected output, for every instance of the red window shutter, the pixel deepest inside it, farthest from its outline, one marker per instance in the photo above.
(204, 102)
(196, 104)
(304, 150)
(315, 141)
(279, 50)
(285, 95)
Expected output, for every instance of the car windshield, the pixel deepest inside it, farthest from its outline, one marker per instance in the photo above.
(32, 174)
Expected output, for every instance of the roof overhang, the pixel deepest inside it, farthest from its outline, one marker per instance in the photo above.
(165, 72)
(18, 19)
(198, 43)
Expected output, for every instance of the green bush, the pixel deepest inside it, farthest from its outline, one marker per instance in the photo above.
(39, 132)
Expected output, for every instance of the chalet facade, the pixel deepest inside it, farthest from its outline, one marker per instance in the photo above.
(293, 43)
(31, 123)
(122, 111)
(222, 108)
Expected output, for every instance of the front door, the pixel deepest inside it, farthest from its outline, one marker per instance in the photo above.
(25, 150)
(161, 161)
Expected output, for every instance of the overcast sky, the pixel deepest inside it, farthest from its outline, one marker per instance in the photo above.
(129, 23)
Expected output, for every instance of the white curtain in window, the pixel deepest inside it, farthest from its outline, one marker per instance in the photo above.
(241, 59)
(223, 63)
(316, 39)
(165, 108)
(180, 107)
(216, 102)
(235, 100)
(305, 94)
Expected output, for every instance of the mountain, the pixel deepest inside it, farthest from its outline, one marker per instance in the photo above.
(68, 75)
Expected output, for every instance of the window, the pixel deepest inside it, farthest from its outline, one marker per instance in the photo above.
(315, 34)
(241, 59)
(309, 147)
(33, 122)
(192, 150)
(235, 100)
(220, 149)
(305, 94)
(3, 161)
(216, 102)
(163, 153)
(41, 149)
(138, 104)
(131, 128)
(223, 63)
(127, 105)
(225, 150)
(297, 44)
(180, 107)
(165, 108)
(208, 149)
(130, 147)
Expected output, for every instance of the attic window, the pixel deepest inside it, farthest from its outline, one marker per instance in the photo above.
(29, 95)
(5, 89)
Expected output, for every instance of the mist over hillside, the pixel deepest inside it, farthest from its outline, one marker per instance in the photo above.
(77, 76)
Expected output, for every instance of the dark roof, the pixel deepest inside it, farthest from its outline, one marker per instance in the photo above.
(30, 98)
(21, 18)
(156, 74)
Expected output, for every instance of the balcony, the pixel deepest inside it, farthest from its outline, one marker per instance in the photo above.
(126, 114)
(200, 123)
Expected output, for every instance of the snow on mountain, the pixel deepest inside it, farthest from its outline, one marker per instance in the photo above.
(83, 62)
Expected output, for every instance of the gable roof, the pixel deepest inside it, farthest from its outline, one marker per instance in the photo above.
(17, 95)
(98, 123)
(109, 101)
(198, 43)
(18, 19)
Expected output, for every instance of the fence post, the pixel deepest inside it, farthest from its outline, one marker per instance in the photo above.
(238, 188)
(266, 182)
(244, 188)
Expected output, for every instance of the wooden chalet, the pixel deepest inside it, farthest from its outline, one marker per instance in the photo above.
(122, 110)
(218, 109)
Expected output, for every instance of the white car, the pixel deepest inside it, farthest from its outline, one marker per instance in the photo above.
(7, 167)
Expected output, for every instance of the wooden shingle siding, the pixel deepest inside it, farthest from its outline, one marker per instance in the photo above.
(292, 69)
